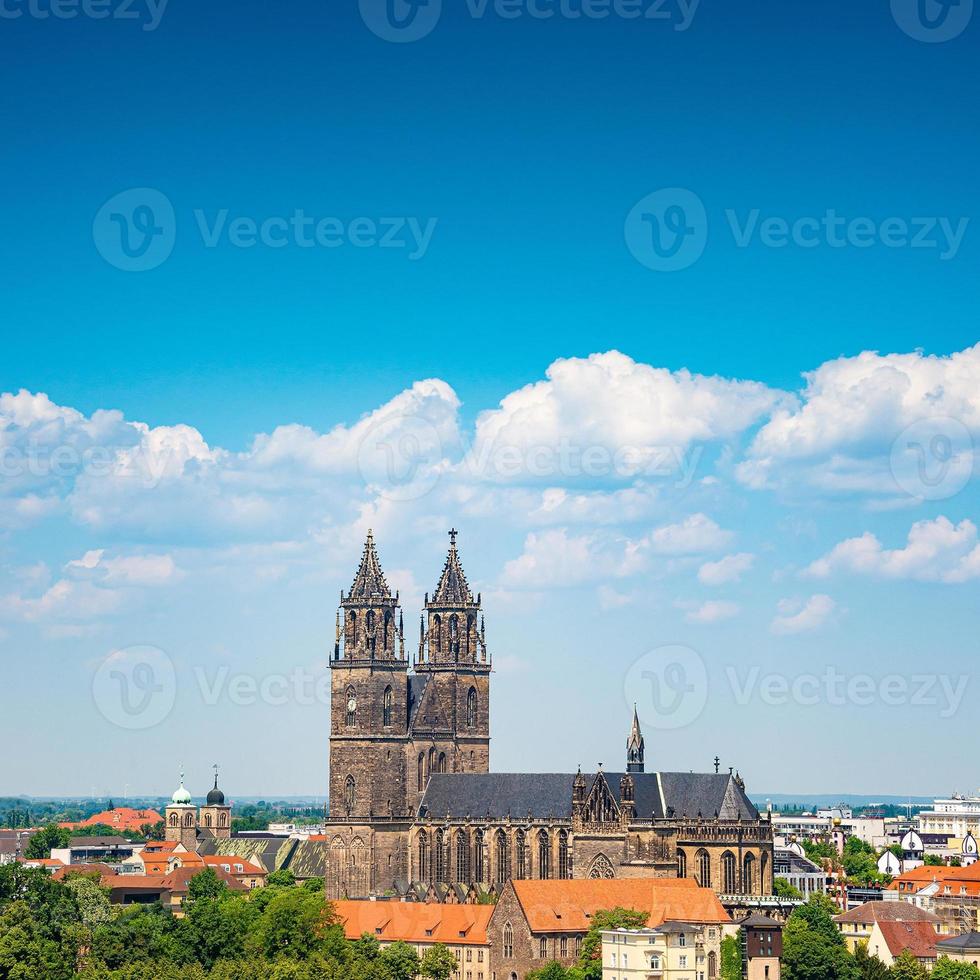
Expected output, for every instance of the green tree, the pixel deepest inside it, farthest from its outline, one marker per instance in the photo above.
(41, 843)
(731, 959)
(205, 884)
(438, 963)
(781, 888)
(590, 959)
(813, 948)
(283, 878)
(293, 923)
(947, 969)
(553, 971)
(870, 966)
(933, 860)
(27, 951)
(401, 961)
(92, 899)
(907, 967)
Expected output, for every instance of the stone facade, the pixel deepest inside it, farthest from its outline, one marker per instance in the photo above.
(412, 800)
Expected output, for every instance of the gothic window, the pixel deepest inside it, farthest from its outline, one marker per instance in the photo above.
(712, 965)
(442, 872)
(207, 819)
(543, 948)
(454, 634)
(469, 632)
(222, 819)
(189, 820)
(349, 790)
(681, 864)
(564, 869)
(351, 708)
(502, 858)
(748, 875)
(388, 698)
(563, 947)
(423, 842)
(370, 621)
(544, 854)
(387, 636)
(471, 708)
(433, 762)
(729, 886)
(442, 762)
(508, 941)
(421, 771)
(437, 628)
(764, 884)
(521, 847)
(462, 857)
(704, 868)
(478, 857)
(173, 820)
(602, 868)
(353, 628)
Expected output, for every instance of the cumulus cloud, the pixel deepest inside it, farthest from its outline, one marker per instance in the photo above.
(65, 600)
(695, 535)
(728, 569)
(839, 434)
(935, 551)
(713, 611)
(126, 569)
(556, 559)
(803, 617)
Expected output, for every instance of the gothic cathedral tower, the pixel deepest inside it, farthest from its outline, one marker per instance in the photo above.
(450, 716)
(369, 700)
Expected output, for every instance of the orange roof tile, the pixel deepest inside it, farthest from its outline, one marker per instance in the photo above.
(919, 938)
(415, 922)
(568, 906)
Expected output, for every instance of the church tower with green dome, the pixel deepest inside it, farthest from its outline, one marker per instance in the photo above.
(180, 818)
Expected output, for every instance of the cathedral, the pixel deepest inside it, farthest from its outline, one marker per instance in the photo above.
(414, 808)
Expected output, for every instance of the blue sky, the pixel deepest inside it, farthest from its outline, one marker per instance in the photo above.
(771, 525)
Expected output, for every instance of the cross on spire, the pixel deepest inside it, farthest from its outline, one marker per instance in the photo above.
(452, 537)
(717, 765)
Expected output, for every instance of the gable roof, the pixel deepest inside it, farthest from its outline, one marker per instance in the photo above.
(568, 906)
(872, 912)
(657, 795)
(919, 938)
(415, 922)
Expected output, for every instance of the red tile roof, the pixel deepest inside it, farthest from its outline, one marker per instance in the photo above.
(415, 922)
(919, 938)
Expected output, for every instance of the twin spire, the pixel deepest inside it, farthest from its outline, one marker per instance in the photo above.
(369, 582)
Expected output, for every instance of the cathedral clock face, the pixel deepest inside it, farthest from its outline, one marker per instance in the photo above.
(352, 704)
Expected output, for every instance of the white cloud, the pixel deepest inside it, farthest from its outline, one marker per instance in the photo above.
(695, 535)
(555, 559)
(936, 551)
(65, 600)
(839, 436)
(797, 617)
(713, 611)
(728, 569)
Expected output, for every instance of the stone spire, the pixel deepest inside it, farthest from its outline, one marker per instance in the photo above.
(634, 746)
(453, 589)
(369, 582)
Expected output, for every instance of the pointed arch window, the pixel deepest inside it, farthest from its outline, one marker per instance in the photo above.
(351, 717)
(350, 790)
(442, 872)
(471, 708)
(521, 849)
(748, 875)
(508, 943)
(423, 846)
(421, 771)
(764, 883)
(353, 628)
(442, 762)
(478, 863)
(502, 859)
(454, 633)
(712, 965)
(544, 854)
(433, 762)
(462, 857)
(728, 876)
(386, 711)
(564, 865)
(681, 864)
(387, 633)
(704, 868)
(437, 629)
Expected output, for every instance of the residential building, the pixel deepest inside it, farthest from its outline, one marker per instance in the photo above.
(667, 952)
(963, 949)
(89, 850)
(535, 921)
(123, 819)
(889, 940)
(461, 928)
(857, 925)
(955, 816)
(802, 873)
(762, 947)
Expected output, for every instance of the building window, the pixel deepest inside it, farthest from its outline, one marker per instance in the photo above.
(437, 627)
(478, 866)
(729, 886)
(462, 857)
(442, 762)
(423, 843)
(543, 949)
(502, 858)
(508, 941)
(564, 866)
(544, 854)
(712, 965)
(471, 708)
(748, 875)
(682, 940)
(440, 856)
(521, 855)
(388, 699)
(421, 771)
(349, 791)
(704, 868)
(563, 947)
(681, 864)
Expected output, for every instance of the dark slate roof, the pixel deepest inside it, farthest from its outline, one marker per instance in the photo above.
(416, 688)
(550, 795)
(756, 920)
(967, 942)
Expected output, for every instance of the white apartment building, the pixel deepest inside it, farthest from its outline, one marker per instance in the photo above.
(672, 951)
(956, 816)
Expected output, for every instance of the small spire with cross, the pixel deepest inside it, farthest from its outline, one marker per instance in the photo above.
(453, 534)
(717, 765)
